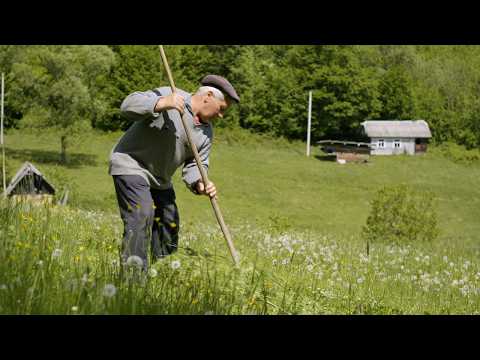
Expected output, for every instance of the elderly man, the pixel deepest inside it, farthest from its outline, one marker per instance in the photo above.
(144, 160)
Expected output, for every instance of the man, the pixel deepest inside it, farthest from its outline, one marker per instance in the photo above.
(144, 160)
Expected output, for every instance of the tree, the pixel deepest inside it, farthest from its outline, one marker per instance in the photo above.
(56, 87)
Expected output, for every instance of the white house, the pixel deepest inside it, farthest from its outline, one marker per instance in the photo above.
(390, 137)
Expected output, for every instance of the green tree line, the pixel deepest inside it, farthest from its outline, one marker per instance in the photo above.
(72, 88)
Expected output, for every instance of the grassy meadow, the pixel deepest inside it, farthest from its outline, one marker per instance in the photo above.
(296, 222)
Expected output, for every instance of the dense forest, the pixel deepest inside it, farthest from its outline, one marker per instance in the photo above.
(73, 88)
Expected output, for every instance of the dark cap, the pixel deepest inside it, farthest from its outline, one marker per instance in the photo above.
(221, 84)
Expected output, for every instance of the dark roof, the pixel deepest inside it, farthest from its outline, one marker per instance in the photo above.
(29, 180)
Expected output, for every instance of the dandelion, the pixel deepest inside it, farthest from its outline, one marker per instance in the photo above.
(153, 273)
(74, 308)
(56, 253)
(175, 264)
(84, 279)
(109, 290)
(135, 261)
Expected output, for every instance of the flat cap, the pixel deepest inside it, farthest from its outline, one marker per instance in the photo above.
(221, 84)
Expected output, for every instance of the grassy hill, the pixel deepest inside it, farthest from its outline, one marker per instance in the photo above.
(268, 181)
(295, 222)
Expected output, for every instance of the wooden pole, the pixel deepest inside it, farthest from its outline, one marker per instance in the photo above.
(203, 173)
(1, 140)
(309, 121)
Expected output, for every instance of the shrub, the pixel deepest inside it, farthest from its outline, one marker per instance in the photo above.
(401, 214)
(458, 153)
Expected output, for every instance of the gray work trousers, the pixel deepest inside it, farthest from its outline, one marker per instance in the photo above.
(149, 216)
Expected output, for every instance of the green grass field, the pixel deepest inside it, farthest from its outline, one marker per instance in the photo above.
(295, 220)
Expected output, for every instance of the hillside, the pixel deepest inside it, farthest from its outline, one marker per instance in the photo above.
(265, 181)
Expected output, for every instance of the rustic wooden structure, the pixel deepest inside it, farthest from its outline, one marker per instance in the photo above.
(29, 184)
(391, 137)
(346, 151)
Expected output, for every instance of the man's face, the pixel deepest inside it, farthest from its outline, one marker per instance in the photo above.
(212, 108)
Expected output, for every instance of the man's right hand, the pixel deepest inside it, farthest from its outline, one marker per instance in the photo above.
(172, 101)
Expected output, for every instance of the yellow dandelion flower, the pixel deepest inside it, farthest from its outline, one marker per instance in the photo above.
(173, 225)
(157, 219)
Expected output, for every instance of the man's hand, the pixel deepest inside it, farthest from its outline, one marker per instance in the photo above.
(172, 101)
(210, 190)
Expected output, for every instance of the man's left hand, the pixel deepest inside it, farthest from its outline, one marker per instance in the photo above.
(210, 190)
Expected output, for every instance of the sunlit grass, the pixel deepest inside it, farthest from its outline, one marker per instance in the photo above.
(66, 261)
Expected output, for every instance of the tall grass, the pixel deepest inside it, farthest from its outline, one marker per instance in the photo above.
(59, 260)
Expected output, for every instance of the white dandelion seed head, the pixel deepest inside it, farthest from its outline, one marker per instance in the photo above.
(153, 273)
(84, 279)
(109, 290)
(135, 261)
(175, 264)
(56, 253)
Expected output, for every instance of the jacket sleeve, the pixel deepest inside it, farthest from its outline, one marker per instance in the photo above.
(190, 172)
(140, 105)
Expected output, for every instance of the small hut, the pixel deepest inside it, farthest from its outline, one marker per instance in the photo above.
(30, 184)
(392, 137)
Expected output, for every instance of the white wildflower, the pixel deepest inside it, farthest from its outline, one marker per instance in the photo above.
(135, 261)
(175, 264)
(109, 290)
(84, 279)
(153, 273)
(451, 264)
(57, 253)
(360, 280)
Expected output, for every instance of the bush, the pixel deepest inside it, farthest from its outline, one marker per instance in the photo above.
(458, 153)
(401, 214)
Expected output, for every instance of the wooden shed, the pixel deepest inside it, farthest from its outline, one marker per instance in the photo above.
(30, 184)
(391, 137)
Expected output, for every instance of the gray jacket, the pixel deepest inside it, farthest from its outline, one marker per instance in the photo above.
(156, 145)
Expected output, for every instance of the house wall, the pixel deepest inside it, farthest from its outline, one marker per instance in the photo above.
(407, 145)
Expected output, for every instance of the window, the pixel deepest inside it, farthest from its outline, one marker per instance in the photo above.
(396, 144)
(381, 143)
